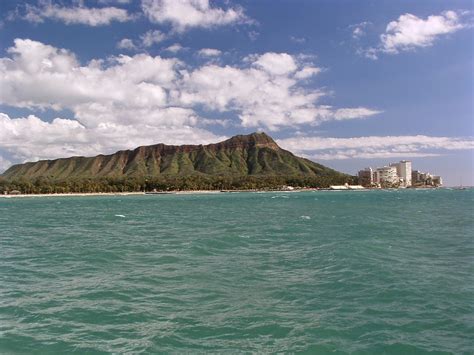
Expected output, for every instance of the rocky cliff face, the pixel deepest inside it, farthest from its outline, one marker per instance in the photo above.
(253, 154)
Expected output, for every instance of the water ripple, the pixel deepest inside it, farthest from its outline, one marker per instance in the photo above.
(366, 272)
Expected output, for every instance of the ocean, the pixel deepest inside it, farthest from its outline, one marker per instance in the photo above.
(305, 272)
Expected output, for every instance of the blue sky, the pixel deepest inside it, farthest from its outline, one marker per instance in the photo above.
(348, 84)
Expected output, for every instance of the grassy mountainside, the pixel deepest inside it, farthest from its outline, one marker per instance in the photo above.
(255, 155)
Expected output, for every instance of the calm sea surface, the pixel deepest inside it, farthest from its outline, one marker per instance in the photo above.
(315, 272)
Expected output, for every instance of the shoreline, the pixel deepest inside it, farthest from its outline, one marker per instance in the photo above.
(75, 194)
(141, 193)
(187, 192)
(193, 192)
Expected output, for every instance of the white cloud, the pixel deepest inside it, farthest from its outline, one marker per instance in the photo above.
(379, 154)
(359, 29)
(409, 31)
(41, 76)
(21, 137)
(185, 14)
(276, 63)
(150, 38)
(358, 32)
(375, 146)
(75, 15)
(209, 52)
(175, 48)
(122, 2)
(126, 43)
(146, 40)
(370, 53)
(265, 94)
(131, 100)
(307, 72)
(351, 113)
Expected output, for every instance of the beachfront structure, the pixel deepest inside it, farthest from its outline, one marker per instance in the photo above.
(404, 172)
(416, 177)
(346, 187)
(425, 179)
(437, 180)
(397, 175)
(386, 176)
(366, 177)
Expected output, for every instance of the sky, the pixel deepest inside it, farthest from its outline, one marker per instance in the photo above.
(349, 84)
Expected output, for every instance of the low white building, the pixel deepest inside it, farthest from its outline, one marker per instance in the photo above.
(338, 187)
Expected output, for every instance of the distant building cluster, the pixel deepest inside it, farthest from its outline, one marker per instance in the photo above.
(420, 178)
(397, 175)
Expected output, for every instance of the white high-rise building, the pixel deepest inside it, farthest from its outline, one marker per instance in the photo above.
(404, 172)
(386, 176)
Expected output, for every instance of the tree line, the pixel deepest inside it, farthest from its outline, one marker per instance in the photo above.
(44, 185)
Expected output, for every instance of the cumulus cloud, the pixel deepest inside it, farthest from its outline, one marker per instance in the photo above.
(185, 14)
(22, 136)
(276, 63)
(375, 146)
(410, 32)
(147, 39)
(131, 100)
(76, 14)
(266, 93)
(150, 38)
(209, 52)
(126, 43)
(40, 75)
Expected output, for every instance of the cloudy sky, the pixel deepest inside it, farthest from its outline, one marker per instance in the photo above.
(349, 84)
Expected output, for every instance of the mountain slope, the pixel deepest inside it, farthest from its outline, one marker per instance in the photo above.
(255, 154)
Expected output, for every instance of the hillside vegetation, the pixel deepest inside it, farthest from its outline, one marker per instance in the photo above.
(254, 158)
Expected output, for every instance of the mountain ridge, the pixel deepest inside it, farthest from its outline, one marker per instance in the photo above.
(255, 154)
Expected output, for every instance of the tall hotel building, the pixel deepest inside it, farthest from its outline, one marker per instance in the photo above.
(404, 172)
(386, 175)
(399, 174)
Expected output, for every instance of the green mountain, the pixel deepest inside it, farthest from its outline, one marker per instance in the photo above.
(255, 154)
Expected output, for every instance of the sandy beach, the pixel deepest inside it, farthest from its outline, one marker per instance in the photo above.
(84, 194)
(186, 192)
(75, 194)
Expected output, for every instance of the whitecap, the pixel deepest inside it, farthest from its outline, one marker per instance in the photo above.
(305, 217)
(120, 215)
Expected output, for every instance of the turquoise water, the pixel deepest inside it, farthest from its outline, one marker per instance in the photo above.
(315, 272)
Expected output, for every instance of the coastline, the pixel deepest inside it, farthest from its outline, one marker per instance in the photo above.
(74, 194)
(196, 192)
(139, 193)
